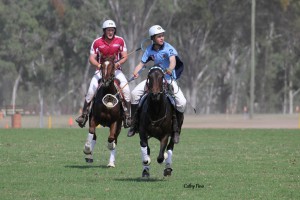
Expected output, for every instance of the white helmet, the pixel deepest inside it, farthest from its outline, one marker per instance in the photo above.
(156, 29)
(109, 24)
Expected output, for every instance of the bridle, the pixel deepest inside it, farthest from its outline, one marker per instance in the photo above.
(156, 122)
(150, 87)
(105, 71)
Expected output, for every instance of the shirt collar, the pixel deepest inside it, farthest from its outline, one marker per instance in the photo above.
(104, 38)
(161, 47)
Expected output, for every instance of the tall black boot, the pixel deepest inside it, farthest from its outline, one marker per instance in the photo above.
(127, 117)
(135, 121)
(82, 119)
(175, 128)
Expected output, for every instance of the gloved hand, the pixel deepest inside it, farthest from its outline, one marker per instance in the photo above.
(169, 71)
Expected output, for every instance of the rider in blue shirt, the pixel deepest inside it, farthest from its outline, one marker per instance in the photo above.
(160, 57)
(164, 55)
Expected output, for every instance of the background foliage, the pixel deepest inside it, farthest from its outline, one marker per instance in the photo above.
(44, 49)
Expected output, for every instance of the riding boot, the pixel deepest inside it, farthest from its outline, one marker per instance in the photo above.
(82, 119)
(135, 120)
(127, 117)
(175, 128)
(179, 120)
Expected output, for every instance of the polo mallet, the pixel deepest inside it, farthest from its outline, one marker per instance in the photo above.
(129, 54)
(143, 46)
(145, 43)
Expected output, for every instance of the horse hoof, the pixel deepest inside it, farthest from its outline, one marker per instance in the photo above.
(89, 160)
(111, 165)
(145, 173)
(168, 172)
(160, 160)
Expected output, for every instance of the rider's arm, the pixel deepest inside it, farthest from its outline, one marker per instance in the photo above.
(172, 64)
(94, 61)
(123, 58)
(137, 69)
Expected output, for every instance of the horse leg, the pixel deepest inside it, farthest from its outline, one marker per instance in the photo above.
(112, 142)
(168, 168)
(163, 145)
(90, 144)
(145, 152)
(89, 147)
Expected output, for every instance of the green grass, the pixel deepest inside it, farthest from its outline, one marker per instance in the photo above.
(221, 164)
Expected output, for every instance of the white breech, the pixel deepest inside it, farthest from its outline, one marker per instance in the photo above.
(179, 97)
(94, 84)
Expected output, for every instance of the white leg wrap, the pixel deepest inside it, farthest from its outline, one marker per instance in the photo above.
(89, 138)
(93, 143)
(112, 155)
(112, 158)
(169, 159)
(145, 158)
(88, 144)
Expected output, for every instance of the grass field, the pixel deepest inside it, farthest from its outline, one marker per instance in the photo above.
(207, 164)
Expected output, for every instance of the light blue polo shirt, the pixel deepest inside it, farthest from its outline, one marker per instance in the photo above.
(160, 57)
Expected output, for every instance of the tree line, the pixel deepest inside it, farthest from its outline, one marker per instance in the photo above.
(44, 50)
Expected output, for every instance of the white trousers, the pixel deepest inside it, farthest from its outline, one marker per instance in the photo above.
(94, 84)
(179, 97)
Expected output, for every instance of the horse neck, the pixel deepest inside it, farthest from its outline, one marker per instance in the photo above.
(102, 91)
(110, 89)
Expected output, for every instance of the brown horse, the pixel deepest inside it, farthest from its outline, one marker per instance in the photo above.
(156, 121)
(106, 110)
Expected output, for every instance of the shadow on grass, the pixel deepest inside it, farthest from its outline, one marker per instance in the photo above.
(87, 166)
(140, 179)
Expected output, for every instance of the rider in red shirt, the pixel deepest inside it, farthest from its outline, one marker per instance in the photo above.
(108, 45)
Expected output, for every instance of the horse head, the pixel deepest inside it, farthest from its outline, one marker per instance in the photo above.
(155, 83)
(108, 71)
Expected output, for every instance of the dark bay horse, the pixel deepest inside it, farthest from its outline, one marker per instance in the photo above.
(156, 121)
(106, 110)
